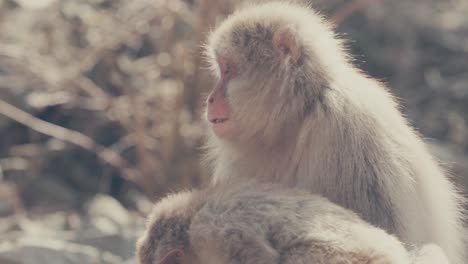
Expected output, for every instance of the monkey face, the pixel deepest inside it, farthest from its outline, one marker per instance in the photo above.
(219, 110)
(265, 83)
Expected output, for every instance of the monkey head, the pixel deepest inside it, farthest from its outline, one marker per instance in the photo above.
(268, 76)
(176, 233)
(166, 239)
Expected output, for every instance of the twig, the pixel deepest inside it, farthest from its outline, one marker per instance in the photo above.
(70, 136)
(39, 65)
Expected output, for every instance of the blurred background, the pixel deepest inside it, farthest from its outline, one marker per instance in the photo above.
(101, 102)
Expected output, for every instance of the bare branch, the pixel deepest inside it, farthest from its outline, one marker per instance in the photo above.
(70, 136)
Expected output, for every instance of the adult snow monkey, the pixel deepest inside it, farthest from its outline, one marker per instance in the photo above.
(289, 107)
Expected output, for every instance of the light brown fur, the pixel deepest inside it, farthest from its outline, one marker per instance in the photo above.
(306, 117)
(252, 223)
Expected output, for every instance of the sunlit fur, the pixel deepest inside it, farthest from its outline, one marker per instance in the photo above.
(251, 223)
(323, 125)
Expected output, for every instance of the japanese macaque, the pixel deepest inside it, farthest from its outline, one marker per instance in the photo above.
(252, 223)
(289, 107)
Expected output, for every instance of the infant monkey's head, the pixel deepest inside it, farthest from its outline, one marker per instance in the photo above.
(166, 238)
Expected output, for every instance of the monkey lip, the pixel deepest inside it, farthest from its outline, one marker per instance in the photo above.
(218, 120)
(222, 127)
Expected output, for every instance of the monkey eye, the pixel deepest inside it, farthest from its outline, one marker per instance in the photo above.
(226, 67)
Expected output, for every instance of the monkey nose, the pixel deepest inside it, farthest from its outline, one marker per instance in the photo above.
(210, 100)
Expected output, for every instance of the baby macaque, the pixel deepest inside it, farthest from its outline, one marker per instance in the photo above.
(253, 223)
(289, 107)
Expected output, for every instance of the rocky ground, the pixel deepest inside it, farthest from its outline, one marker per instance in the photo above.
(105, 232)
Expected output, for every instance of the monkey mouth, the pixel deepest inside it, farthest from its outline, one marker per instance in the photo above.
(218, 120)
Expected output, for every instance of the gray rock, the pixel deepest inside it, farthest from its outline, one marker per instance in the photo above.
(40, 251)
(122, 245)
(9, 200)
(49, 193)
(107, 214)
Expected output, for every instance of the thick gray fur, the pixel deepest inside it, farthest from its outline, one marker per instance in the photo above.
(251, 223)
(318, 123)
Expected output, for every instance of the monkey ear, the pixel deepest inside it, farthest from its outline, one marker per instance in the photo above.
(285, 44)
(171, 257)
